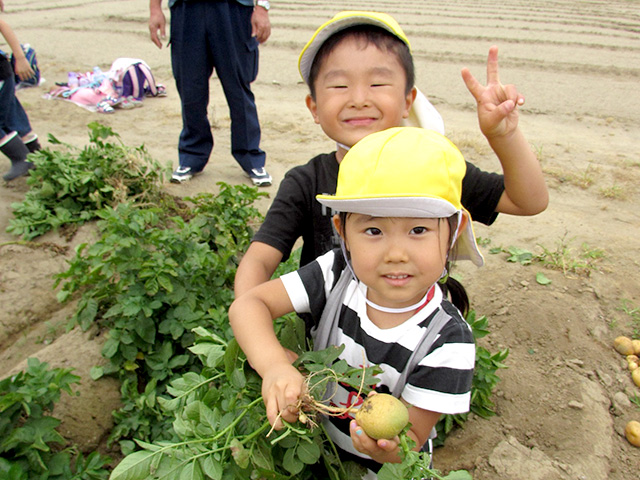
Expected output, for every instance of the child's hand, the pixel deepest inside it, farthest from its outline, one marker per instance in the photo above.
(282, 385)
(380, 450)
(23, 69)
(497, 103)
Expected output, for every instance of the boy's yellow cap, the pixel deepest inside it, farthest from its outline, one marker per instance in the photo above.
(341, 21)
(405, 172)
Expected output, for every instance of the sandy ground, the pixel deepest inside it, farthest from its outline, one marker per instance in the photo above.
(563, 402)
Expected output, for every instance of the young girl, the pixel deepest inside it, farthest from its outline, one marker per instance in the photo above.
(16, 138)
(399, 197)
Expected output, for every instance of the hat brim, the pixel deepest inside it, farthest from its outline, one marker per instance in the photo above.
(406, 206)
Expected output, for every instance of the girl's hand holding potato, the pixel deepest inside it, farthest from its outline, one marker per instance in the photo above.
(380, 450)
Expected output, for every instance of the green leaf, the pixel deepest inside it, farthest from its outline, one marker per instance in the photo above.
(308, 453)
(459, 475)
(542, 279)
(96, 372)
(211, 467)
(519, 255)
(136, 466)
(291, 463)
(239, 453)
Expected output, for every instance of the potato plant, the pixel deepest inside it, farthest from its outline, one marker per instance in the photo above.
(220, 421)
(30, 446)
(70, 185)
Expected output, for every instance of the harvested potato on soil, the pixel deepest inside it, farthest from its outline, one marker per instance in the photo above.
(382, 416)
(633, 362)
(632, 432)
(636, 346)
(623, 345)
(635, 375)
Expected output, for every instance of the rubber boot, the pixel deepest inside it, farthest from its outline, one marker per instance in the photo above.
(17, 152)
(33, 144)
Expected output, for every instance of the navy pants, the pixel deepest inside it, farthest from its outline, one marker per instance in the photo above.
(207, 35)
(13, 118)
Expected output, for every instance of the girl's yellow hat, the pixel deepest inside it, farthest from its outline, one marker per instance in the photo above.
(404, 172)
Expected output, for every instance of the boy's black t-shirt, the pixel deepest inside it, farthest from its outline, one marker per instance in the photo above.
(296, 213)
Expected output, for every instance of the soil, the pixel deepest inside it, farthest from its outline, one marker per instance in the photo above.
(564, 398)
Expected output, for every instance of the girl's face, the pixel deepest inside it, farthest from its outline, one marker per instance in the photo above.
(397, 258)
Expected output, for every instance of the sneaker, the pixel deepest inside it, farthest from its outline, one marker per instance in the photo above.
(259, 177)
(182, 174)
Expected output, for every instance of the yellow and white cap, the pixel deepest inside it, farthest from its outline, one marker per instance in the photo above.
(405, 172)
(339, 22)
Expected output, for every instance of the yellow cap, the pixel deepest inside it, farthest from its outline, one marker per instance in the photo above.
(404, 172)
(341, 21)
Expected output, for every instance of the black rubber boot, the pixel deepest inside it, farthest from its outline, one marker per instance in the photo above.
(33, 145)
(17, 153)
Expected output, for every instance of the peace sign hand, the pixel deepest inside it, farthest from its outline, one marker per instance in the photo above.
(497, 103)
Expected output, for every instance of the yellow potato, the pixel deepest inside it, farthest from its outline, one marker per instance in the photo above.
(636, 346)
(382, 416)
(623, 345)
(632, 432)
(636, 376)
(633, 365)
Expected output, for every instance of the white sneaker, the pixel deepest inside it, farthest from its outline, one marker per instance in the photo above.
(182, 174)
(260, 177)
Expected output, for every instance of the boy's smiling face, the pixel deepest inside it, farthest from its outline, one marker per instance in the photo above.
(359, 90)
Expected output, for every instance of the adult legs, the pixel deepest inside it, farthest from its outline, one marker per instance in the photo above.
(192, 66)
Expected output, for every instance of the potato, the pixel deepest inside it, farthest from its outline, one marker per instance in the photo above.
(623, 345)
(636, 346)
(382, 416)
(633, 364)
(636, 376)
(632, 432)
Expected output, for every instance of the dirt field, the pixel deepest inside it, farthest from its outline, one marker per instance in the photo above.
(563, 402)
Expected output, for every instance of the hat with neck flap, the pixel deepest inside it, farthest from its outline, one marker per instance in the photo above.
(405, 172)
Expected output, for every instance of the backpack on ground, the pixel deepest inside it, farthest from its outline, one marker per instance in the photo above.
(133, 78)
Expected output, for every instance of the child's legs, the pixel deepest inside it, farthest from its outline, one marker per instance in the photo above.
(192, 67)
(12, 115)
(235, 56)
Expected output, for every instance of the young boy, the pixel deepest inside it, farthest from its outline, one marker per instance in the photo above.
(398, 195)
(16, 138)
(359, 70)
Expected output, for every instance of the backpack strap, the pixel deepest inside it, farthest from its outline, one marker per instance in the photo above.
(135, 82)
(148, 79)
(326, 333)
(440, 319)
(436, 324)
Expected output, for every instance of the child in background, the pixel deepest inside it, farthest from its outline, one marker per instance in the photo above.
(360, 73)
(16, 137)
(401, 222)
